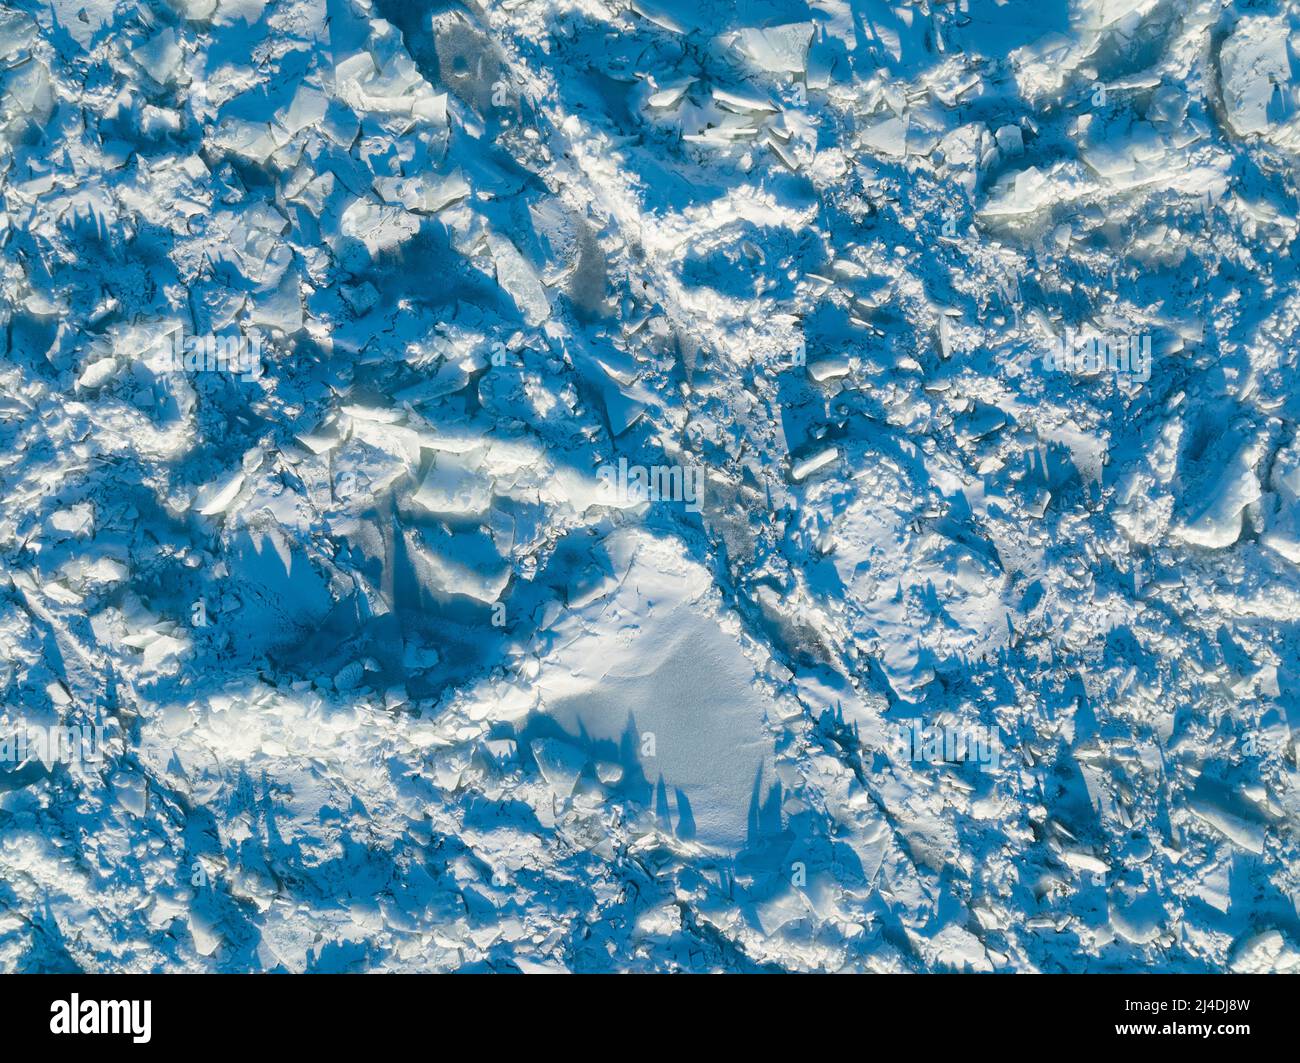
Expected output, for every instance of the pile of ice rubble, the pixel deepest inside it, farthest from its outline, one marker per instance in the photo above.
(384, 676)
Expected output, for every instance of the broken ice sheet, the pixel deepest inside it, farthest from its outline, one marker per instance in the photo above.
(381, 651)
(455, 486)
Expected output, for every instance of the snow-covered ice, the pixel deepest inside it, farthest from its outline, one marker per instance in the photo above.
(507, 485)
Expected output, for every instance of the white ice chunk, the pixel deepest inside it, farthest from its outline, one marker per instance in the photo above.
(379, 226)
(887, 136)
(777, 49)
(98, 373)
(307, 109)
(217, 496)
(560, 764)
(455, 486)
(1010, 141)
(803, 469)
(160, 57)
(1252, 61)
(1250, 836)
(1219, 523)
(1283, 523)
(1085, 862)
(1268, 952)
(519, 280)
